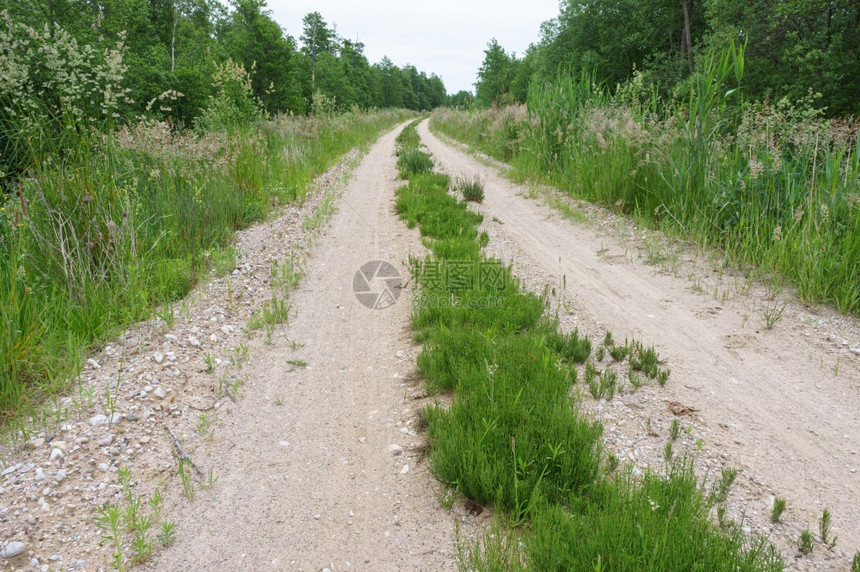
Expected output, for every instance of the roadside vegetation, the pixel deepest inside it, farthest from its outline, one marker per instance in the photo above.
(711, 143)
(111, 206)
(513, 436)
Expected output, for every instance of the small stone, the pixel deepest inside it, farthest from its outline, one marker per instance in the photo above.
(40, 475)
(13, 549)
(35, 563)
(115, 418)
(81, 564)
(395, 449)
(105, 441)
(362, 439)
(9, 470)
(36, 443)
(158, 357)
(170, 337)
(104, 467)
(159, 393)
(97, 420)
(404, 470)
(132, 417)
(213, 338)
(317, 516)
(235, 272)
(855, 351)
(60, 476)
(31, 519)
(194, 341)
(93, 363)
(144, 440)
(226, 329)
(56, 454)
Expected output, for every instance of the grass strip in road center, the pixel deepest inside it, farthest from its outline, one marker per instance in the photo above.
(513, 436)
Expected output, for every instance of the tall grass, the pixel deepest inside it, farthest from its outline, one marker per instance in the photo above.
(773, 184)
(513, 436)
(103, 227)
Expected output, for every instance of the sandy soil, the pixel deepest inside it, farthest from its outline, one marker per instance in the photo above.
(331, 478)
(780, 405)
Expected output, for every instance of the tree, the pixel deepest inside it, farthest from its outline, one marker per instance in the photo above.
(316, 38)
(794, 46)
(462, 98)
(616, 37)
(495, 75)
(258, 42)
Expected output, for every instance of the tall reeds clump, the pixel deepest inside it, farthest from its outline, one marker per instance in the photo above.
(773, 184)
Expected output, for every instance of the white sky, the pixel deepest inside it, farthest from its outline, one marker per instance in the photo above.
(445, 37)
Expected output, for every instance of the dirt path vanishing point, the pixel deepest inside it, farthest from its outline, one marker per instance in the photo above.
(782, 406)
(317, 481)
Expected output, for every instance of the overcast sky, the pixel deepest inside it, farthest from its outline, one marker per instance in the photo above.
(445, 37)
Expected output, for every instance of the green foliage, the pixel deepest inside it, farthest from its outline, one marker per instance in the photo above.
(413, 162)
(495, 75)
(661, 523)
(53, 88)
(234, 103)
(472, 189)
(793, 47)
(777, 509)
(805, 544)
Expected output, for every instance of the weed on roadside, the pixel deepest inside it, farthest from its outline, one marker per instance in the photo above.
(777, 509)
(472, 189)
(126, 526)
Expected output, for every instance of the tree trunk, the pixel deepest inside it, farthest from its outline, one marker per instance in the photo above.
(173, 40)
(687, 6)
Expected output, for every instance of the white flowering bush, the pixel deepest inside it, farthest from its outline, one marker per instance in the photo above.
(51, 84)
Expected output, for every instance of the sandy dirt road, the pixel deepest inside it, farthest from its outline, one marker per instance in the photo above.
(316, 482)
(783, 405)
(321, 467)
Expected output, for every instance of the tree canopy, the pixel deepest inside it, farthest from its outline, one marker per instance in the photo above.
(171, 50)
(794, 48)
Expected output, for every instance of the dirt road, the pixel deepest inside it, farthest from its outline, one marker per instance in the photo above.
(318, 461)
(331, 477)
(783, 405)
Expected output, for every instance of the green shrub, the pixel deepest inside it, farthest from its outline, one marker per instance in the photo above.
(472, 189)
(413, 162)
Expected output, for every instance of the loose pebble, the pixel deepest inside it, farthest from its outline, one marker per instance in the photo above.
(13, 549)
